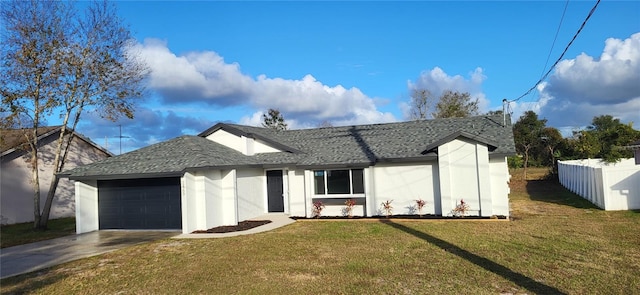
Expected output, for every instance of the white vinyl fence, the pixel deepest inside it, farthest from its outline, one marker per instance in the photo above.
(608, 186)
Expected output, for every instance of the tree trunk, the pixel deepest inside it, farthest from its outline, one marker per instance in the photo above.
(35, 181)
(526, 161)
(46, 210)
(59, 161)
(35, 178)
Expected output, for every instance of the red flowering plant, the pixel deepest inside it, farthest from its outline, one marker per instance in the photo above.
(461, 209)
(420, 203)
(350, 203)
(317, 209)
(388, 209)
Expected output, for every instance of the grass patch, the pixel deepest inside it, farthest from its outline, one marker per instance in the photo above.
(556, 245)
(23, 233)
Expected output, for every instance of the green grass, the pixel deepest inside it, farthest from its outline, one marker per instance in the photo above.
(23, 233)
(556, 244)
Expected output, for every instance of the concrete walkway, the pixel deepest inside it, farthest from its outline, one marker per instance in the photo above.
(39, 255)
(36, 256)
(277, 220)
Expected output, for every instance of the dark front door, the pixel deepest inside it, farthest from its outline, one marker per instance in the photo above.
(275, 195)
(139, 204)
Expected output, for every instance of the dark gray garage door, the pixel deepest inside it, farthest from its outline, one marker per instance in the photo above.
(139, 204)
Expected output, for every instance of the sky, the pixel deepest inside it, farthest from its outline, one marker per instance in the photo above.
(357, 62)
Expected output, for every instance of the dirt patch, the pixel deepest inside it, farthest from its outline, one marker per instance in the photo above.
(242, 225)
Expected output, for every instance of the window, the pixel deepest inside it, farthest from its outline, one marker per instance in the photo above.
(339, 182)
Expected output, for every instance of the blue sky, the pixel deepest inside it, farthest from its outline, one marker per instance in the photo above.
(357, 62)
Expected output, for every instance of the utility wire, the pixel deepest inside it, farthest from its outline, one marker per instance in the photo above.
(561, 55)
(553, 44)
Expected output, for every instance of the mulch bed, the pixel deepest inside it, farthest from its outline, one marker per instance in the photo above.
(242, 225)
(416, 217)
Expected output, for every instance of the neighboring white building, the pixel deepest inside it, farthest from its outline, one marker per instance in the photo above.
(230, 173)
(16, 190)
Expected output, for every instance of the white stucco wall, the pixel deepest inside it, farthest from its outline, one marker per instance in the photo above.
(262, 147)
(189, 204)
(500, 177)
(404, 184)
(229, 140)
(202, 200)
(86, 204)
(251, 193)
(16, 191)
(229, 207)
(465, 174)
(245, 145)
(296, 193)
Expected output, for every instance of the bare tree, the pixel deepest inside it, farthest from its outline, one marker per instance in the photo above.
(456, 105)
(58, 61)
(421, 103)
(325, 124)
(274, 120)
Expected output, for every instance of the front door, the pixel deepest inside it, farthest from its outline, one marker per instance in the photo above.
(275, 195)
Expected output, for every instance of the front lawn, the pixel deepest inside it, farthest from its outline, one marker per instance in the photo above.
(556, 244)
(23, 233)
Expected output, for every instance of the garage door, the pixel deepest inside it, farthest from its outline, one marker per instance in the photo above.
(140, 204)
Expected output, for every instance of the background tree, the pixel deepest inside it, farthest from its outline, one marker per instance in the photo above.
(604, 139)
(421, 103)
(325, 124)
(456, 105)
(58, 61)
(273, 119)
(526, 134)
(551, 147)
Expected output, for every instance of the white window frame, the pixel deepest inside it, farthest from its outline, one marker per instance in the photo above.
(326, 184)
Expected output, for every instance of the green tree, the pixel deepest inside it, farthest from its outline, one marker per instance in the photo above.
(526, 134)
(551, 147)
(456, 105)
(610, 136)
(58, 61)
(273, 119)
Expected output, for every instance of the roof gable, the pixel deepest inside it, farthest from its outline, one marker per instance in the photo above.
(12, 140)
(262, 135)
(492, 145)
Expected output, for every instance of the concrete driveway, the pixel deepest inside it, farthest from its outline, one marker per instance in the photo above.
(35, 256)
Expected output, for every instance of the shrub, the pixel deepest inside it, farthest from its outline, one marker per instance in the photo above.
(461, 209)
(350, 203)
(317, 209)
(388, 209)
(420, 204)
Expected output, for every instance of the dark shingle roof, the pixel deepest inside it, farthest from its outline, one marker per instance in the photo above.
(359, 145)
(15, 138)
(167, 158)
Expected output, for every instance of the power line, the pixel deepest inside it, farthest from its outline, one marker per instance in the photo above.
(553, 44)
(561, 55)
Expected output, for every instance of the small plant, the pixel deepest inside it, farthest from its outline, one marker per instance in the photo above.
(420, 204)
(388, 209)
(317, 209)
(461, 209)
(350, 203)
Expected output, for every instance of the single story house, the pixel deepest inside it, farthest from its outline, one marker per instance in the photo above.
(230, 173)
(16, 190)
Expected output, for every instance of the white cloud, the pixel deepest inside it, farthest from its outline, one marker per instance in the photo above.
(585, 87)
(206, 77)
(437, 82)
(196, 76)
